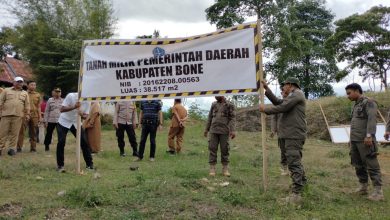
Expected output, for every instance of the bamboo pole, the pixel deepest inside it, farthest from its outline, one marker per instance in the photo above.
(263, 122)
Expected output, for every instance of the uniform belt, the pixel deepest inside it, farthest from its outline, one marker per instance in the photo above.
(149, 121)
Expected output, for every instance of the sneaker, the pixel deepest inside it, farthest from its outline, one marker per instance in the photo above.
(151, 159)
(11, 152)
(90, 167)
(137, 159)
(123, 155)
(61, 169)
(33, 150)
(47, 148)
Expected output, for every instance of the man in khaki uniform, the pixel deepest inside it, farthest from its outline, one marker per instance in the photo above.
(220, 126)
(275, 124)
(363, 142)
(14, 105)
(179, 116)
(292, 130)
(35, 118)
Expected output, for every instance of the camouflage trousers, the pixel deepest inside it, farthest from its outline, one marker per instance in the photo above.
(366, 163)
(293, 149)
(283, 158)
(223, 141)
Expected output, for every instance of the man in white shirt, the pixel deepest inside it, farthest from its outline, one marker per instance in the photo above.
(67, 121)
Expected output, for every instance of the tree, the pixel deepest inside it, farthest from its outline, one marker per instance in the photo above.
(364, 41)
(195, 112)
(50, 34)
(301, 52)
(242, 101)
(227, 13)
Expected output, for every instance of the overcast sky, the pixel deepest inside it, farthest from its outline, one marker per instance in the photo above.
(182, 18)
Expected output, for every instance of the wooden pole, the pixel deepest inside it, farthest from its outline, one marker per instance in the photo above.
(383, 118)
(78, 133)
(263, 122)
(323, 114)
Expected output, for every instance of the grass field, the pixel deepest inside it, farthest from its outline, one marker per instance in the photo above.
(178, 187)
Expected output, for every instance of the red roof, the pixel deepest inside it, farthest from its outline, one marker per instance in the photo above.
(11, 68)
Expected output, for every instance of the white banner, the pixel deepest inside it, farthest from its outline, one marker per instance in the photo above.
(218, 63)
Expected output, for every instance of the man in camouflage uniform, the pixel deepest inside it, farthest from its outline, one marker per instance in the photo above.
(363, 142)
(220, 126)
(292, 131)
(275, 124)
(32, 124)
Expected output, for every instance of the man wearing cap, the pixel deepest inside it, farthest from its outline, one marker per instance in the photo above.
(292, 130)
(35, 118)
(14, 105)
(275, 125)
(52, 113)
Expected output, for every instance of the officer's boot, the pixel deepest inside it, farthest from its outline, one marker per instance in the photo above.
(225, 170)
(377, 194)
(212, 170)
(293, 198)
(362, 190)
(284, 170)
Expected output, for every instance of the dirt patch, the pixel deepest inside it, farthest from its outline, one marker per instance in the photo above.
(10, 210)
(58, 214)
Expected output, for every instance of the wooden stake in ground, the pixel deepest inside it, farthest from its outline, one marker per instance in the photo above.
(78, 133)
(263, 127)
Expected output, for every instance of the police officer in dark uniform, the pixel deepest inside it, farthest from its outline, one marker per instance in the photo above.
(363, 142)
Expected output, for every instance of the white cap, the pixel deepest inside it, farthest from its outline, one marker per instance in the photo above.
(18, 78)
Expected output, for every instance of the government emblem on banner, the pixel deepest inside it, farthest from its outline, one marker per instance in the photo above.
(158, 52)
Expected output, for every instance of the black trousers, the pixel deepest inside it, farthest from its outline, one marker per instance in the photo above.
(120, 134)
(148, 128)
(49, 133)
(62, 132)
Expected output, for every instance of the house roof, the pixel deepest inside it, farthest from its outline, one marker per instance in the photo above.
(11, 68)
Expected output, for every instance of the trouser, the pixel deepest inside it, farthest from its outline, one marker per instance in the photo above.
(9, 129)
(148, 128)
(32, 126)
(177, 132)
(366, 163)
(49, 133)
(120, 134)
(283, 158)
(294, 162)
(61, 133)
(223, 141)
